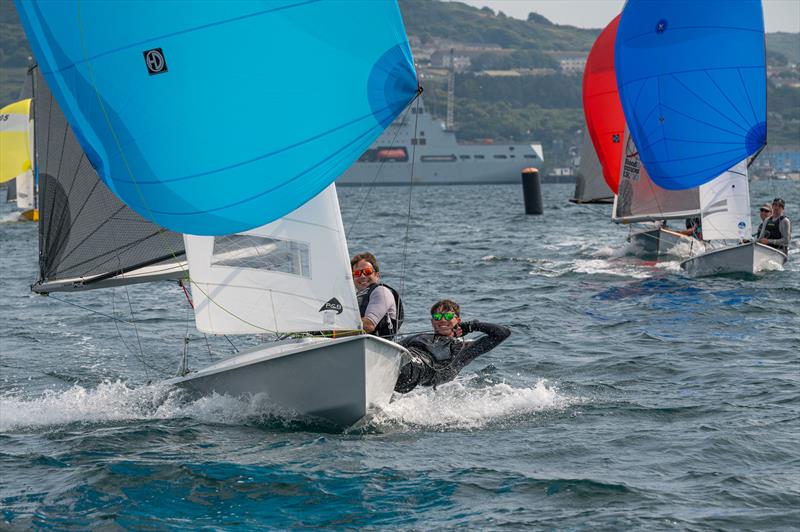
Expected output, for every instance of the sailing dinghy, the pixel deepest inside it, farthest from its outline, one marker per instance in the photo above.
(692, 82)
(727, 229)
(257, 216)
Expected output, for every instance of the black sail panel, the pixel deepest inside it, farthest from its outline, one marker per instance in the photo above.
(88, 238)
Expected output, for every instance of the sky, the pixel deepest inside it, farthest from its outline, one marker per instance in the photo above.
(779, 15)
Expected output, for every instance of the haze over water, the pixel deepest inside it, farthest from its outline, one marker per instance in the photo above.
(628, 396)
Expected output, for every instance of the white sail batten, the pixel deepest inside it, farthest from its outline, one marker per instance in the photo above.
(639, 199)
(726, 205)
(291, 275)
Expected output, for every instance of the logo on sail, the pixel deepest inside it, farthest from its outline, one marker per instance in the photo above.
(154, 59)
(333, 304)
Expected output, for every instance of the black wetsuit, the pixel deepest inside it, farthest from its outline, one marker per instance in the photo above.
(438, 359)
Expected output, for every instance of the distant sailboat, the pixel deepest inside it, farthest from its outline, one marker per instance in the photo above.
(266, 253)
(692, 82)
(590, 187)
(16, 142)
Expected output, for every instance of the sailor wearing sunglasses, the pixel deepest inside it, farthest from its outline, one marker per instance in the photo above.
(380, 305)
(438, 357)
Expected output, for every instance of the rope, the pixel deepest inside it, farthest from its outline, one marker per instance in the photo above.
(116, 320)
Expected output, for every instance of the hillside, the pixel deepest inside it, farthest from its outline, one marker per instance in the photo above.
(511, 88)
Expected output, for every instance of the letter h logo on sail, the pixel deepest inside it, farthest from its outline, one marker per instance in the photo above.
(154, 59)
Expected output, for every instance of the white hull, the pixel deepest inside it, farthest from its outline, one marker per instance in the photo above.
(743, 258)
(663, 242)
(486, 171)
(340, 380)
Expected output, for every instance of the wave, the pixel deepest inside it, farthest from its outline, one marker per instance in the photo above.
(457, 406)
(10, 217)
(119, 401)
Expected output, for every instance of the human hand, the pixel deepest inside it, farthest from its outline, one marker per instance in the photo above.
(762, 241)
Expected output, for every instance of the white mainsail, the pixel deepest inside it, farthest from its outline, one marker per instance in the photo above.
(291, 275)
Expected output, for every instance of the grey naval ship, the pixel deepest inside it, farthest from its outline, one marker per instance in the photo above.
(440, 158)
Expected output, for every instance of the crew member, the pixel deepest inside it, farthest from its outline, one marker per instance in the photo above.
(437, 357)
(764, 212)
(379, 304)
(777, 229)
(693, 228)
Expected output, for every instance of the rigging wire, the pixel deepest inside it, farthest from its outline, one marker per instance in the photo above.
(410, 196)
(371, 186)
(115, 319)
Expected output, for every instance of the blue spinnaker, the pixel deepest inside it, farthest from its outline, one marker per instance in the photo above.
(692, 81)
(211, 118)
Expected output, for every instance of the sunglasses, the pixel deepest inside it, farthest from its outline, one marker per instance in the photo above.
(366, 272)
(447, 316)
(765, 210)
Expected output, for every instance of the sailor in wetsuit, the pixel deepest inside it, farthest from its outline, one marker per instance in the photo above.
(379, 304)
(437, 357)
(777, 229)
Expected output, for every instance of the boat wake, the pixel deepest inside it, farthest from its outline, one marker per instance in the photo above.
(118, 401)
(453, 405)
(457, 406)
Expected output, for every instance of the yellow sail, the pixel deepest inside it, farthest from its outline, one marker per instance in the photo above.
(15, 148)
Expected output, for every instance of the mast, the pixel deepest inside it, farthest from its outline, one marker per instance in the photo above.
(451, 89)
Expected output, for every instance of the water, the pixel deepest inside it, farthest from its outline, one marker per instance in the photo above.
(628, 396)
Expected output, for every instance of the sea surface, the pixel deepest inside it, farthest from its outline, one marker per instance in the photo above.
(629, 396)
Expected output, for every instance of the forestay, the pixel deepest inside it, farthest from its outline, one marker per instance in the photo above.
(291, 275)
(692, 81)
(315, 82)
(88, 238)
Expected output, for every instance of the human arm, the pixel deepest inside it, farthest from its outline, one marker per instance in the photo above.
(367, 325)
(381, 303)
(493, 336)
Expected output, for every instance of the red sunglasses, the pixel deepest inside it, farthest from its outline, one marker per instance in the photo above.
(366, 272)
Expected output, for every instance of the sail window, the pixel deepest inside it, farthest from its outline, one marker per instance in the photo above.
(438, 158)
(262, 253)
